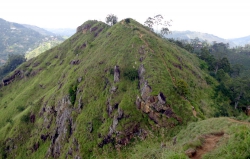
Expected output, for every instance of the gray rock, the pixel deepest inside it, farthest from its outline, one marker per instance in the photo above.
(120, 113)
(161, 98)
(116, 74)
(138, 102)
(190, 152)
(146, 91)
(79, 79)
(113, 89)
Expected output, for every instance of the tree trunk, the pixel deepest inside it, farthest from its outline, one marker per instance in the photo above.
(236, 104)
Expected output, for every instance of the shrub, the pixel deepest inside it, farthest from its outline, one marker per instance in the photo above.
(72, 93)
(127, 20)
(20, 108)
(131, 74)
(111, 71)
(25, 118)
(182, 87)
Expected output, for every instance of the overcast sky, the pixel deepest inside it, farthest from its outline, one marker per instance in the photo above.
(224, 18)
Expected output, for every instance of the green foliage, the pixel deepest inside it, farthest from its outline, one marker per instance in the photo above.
(25, 118)
(20, 108)
(13, 62)
(131, 74)
(72, 93)
(111, 19)
(182, 87)
(127, 20)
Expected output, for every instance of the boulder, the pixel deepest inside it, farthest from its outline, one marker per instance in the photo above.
(190, 152)
(161, 98)
(145, 107)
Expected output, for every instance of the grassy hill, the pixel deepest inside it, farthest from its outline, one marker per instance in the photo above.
(111, 92)
(42, 48)
(19, 39)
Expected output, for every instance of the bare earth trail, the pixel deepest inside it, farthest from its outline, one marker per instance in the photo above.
(241, 122)
(211, 141)
(209, 144)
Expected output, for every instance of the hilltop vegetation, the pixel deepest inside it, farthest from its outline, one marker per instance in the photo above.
(116, 91)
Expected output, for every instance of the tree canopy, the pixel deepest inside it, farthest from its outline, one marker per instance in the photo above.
(111, 19)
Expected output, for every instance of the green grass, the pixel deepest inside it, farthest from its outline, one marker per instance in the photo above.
(51, 79)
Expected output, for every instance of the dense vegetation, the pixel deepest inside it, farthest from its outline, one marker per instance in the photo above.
(226, 66)
(120, 91)
(13, 62)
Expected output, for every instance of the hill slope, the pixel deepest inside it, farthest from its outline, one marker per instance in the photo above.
(19, 39)
(241, 41)
(102, 92)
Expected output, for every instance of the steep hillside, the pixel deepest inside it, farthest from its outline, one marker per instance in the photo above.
(102, 93)
(42, 48)
(18, 39)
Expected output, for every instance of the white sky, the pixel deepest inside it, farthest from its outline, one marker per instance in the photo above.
(224, 18)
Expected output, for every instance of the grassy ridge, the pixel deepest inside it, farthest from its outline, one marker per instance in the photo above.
(80, 69)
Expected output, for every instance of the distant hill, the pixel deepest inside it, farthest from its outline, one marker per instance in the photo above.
(39, 30)
(62, 31)
(20, 39)
(241, 41)
(188, 35)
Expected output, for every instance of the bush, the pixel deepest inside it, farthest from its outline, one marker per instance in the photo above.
(127, 20)
(182, 87)
(25, 118)
(131, 74)
(72, 93)
(20, 108)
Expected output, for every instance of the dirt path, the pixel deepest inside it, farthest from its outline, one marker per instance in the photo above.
(237, 121)
(209, 144)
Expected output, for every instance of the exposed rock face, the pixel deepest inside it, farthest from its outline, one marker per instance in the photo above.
(154, 106)
(75, 62)
(146, 91)
(6, 81)
(64, 128)
(116, 74)
(141, 72)
(83, 28)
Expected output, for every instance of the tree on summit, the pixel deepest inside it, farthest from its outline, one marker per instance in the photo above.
(111, 19)
(158, 21)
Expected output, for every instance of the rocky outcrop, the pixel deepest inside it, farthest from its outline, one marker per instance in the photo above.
(6, 81)
(155, 106)
(141, 72)
(190, 152)
(75, 62)
(116, 74)
(64, 127)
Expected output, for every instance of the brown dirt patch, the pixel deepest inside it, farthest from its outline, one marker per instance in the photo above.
(241, 122)
(210, 142)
